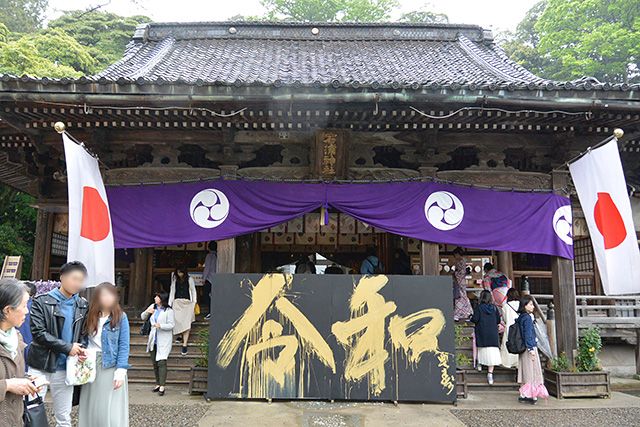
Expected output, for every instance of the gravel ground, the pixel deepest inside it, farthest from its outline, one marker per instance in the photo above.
(612, 417)
(155, 415)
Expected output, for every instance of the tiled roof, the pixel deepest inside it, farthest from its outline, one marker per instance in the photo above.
(354, 55)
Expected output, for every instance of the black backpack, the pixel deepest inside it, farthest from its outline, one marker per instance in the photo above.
(515, 343)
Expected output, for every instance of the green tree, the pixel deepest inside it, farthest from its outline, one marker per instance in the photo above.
(599, 38)
(104, 35)
(60, 48)
(329, 10)
(23, 16)
(17, 226)
(4, 33)
(22, 57)
(424, 15)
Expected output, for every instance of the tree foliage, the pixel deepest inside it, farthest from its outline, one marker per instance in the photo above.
(569, 39)
(23, 16)
(23, 56)
(329, 10)
(17, 226)
(104, 35)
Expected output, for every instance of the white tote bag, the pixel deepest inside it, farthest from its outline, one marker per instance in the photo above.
(80, 373)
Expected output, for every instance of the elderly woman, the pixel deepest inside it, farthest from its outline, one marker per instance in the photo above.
(13, 385)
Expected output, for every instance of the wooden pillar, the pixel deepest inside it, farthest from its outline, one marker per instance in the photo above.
(429, 251)
(505, 263)
(227, 247)
(564, 291)
(138, 287)
(42, 246)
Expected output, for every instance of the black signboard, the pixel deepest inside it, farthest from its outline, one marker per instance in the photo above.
(332, 337)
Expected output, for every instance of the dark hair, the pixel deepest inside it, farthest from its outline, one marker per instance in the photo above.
(513, 295)
(213, 246)
(485, 298)
(371, 251)
(164, 299)
(185, 277)
(31, 288)
(91, 325)
(11, 294)
(72, 266)
(488, 266)
(458, 251)
(523, 303)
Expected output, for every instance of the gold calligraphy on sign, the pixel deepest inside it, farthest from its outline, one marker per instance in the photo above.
(268, 358)
(275, 355)
(329, 152)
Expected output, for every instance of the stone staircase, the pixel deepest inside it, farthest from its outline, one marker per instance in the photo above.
(504, 379)
(178, 366)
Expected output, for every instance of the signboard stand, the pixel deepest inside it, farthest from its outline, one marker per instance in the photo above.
(12, 267)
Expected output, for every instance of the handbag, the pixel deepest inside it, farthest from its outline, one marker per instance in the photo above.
(197, 309)
(35, 414)
(145, 329)
(81, 372)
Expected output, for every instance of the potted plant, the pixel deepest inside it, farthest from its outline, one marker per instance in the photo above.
(461, 360)
(585, 378)
(199, 372)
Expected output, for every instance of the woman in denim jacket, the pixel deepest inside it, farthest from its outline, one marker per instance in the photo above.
(105, 402)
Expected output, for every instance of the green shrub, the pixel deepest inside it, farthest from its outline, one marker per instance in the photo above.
(461, 359)
(589, 345)
(203, 348)
(561, 363)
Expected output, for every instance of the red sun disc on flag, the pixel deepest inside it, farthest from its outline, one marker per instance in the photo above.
(95, 216)
(609, 221)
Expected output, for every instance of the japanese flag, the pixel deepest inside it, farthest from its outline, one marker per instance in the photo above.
(602, 190)
(90, 234)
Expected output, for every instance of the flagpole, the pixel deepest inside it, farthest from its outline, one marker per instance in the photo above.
(617, 134)
(60, 127)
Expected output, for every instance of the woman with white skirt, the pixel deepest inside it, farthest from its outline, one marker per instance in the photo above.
(183, 298)
(105, 401)
(487, 318)
(509, 316)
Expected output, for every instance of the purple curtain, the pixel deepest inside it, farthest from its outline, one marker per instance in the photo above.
(148, 216)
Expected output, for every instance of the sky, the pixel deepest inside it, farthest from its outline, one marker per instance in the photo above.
(494, 14)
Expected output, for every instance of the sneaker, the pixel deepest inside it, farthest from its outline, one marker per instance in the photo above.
(490, 378)
(479, 367)
(533, 401)
(207, 317)
(179, 339)
(184, 351)
(523, 399)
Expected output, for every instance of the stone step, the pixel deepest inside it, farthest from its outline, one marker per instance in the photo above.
(143, 360)
(484, 386)
(175, 373)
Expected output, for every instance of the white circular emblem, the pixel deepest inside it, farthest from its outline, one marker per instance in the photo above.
(563, 224)
(209, 208)
(444, 210)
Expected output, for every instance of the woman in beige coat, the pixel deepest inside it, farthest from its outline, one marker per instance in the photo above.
(13, 384)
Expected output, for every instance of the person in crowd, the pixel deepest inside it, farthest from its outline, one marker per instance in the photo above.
(105, 401)
(333, 269)
(13, 385)
(210, 269)
(57, 325)
(530, 369)
(487, 318)
(462, 305)
(183, 299)
(509, 316)
(371, 264)
(401, 263)
(160, 337)
(25, 328)
(498, 284)
(305, 266)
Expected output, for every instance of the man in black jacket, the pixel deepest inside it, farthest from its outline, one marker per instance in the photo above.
(57, 324)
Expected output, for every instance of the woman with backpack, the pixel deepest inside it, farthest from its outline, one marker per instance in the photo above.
(487, 318)
(530, 370)
(509, 316)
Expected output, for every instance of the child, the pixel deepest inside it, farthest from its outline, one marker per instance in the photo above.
(487, 318)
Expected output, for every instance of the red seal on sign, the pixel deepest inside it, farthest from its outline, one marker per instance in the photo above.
(95, 215)
(609, 221)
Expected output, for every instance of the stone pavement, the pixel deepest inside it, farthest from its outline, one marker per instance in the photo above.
(482, 409)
